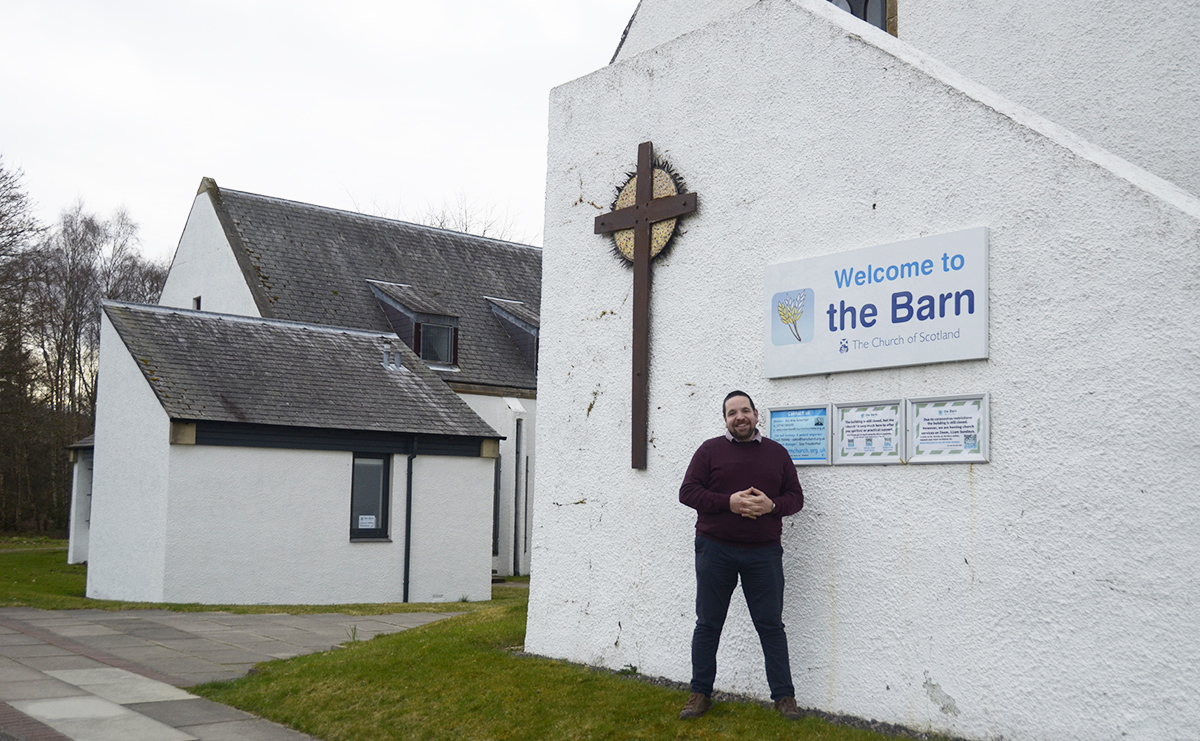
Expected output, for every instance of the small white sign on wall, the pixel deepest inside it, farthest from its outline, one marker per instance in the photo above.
(870, 432)
(948, 429)
(909, 303)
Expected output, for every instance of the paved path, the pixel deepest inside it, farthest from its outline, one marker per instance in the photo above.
(94, 675)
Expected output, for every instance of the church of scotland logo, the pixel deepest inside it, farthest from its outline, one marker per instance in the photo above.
(791, 321)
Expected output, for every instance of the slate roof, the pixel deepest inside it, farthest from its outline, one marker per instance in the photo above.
(311, 264)
(411, 298)
(219, 367)
(518, 310)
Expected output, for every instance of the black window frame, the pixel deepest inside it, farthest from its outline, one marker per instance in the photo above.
(381, 531)
(419, 342)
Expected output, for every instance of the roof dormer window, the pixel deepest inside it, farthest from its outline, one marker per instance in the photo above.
(437, 342)
(420, 321)
(521, 323)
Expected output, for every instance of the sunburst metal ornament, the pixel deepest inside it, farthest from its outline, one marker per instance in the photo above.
(667, 183)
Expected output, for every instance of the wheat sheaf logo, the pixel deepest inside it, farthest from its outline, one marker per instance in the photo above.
(791, 318)
(791, 309)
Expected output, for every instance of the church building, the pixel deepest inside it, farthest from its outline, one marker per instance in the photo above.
(324, 407)
(987, 211)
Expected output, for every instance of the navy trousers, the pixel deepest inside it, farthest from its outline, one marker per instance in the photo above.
(718, 568)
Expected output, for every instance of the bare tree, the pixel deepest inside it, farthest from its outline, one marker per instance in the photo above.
(52, 282)
(21, 462)
(85, 259)
(124, 274)
(457, 214)
(462, 214)
(17, 222)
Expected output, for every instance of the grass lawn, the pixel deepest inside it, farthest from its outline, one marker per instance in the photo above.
(459, 678)
(24, 542)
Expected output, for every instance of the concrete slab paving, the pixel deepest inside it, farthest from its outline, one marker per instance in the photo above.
(184, 645)
(113, 640)
(11, 671)
(85, 629)
(66, 708)
(185, 664)
(44, 663)
(231, 655)
(34, 649)
(244, 730)
(95, 719)
(38, 689)
(224, 675)
(194, 712)
(120, 686)
(233, 636)
(59, 622)
(92, 675)
(266, 645)
(142, 653)
(129, 726)
(192, 625)
(103, 675)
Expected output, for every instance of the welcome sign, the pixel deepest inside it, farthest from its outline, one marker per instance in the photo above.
(909, 303)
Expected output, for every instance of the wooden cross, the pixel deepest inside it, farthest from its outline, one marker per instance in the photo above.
(644, 213)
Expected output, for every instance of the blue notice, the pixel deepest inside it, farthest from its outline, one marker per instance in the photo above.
(804, 432)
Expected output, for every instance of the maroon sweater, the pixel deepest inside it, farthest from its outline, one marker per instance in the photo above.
(721, 467)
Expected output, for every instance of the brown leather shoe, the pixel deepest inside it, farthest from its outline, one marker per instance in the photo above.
(698, 704)
(787, 708)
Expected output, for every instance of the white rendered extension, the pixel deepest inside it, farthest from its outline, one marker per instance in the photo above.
(232, 525)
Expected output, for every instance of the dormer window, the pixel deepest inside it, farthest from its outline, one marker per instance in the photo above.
(521, 323)
(421, 321)
(437, 342)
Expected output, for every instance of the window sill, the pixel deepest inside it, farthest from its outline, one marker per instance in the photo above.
(370, 540)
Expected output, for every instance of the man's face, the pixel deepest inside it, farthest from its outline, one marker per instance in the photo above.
(740, 419)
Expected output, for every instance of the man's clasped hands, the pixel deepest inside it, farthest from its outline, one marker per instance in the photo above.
(750, 503)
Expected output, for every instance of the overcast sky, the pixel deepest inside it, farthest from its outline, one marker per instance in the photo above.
(383, 107)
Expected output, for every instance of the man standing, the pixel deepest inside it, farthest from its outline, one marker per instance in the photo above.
(741, 485)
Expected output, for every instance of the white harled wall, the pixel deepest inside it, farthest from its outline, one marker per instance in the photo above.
(1049, 594)
(1120, 73)
(451, 529)
(81, 507)
(658, 21)
(272, 526)
(204, 265)
(516, 494)
(128, 533)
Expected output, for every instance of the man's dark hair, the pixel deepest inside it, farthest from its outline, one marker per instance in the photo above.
(732, 394)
